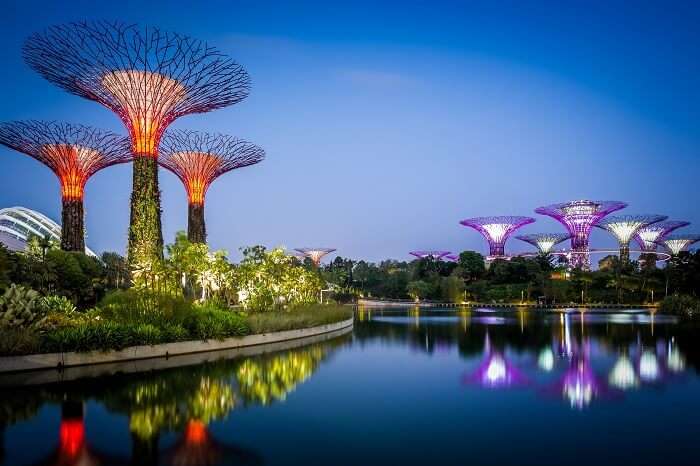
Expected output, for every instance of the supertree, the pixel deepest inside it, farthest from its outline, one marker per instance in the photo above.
(315, 254)
(544, 242)
(679, 243)
(437, 255)
(148, 78)
(451, 258)
(579, 217)
(497, 230)
(74, 153)
(198, 159)
(648, 237)
(624, 227)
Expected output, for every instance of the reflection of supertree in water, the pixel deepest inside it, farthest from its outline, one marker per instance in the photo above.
(198, 159)
(315, 254)
(495, 371)
(579, 384)
(544, 242)
(579, 217)
(679, 243)
(624, 227)
(496, 230)
(270, 379)
(622, 375)
(149, 78)
(74, 153)
(648, 237)
(435, 255)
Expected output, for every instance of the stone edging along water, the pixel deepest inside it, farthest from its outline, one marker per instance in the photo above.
(53, 361)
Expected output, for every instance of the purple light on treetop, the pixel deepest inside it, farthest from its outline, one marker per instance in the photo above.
(649, 236)
(624, 227)
(436, 255)
(579, 217)
(497, 230)
(315, 254)
(544, 242)
(451, 258)
(678, 243)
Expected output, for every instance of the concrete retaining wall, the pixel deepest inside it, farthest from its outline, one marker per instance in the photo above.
(38, 362)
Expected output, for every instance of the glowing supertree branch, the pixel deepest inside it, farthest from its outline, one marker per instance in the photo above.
(679, 243)
(198, 159)
(648, 236)
(579, 217)
(544, 242)
(315, 254)
(624, 227)
(436, 255)
(74, 153)
(497, 230)
(149, 78)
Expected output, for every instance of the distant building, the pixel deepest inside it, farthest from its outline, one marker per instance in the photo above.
(18, 224)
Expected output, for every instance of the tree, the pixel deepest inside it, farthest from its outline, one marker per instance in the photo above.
(418, 289)
(471, 266)
(117, 274)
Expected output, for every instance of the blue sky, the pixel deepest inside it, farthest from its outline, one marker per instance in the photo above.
(387, 123)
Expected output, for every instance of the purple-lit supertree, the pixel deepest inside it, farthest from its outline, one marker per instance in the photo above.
(624, 227)
(497, 230)
(544, 242)
(648, 237)
(451, 258)
(315, 254)
(579, 217)
(679, 243)
(436, 255)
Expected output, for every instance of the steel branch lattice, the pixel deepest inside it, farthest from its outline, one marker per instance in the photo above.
(147, 76)
(315, 254)
(437, 255)
(73, 152)
(678, 243)
(199, 158)
(579, 217)
(544, 242)
(648, 237)
(497, 230)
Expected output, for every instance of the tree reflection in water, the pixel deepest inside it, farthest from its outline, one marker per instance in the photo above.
(185, 400)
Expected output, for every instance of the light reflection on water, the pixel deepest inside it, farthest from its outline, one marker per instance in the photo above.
(458, 371)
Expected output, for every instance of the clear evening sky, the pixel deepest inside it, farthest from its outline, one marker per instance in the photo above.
(384, 125)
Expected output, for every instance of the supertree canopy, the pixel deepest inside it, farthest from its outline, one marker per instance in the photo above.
(451, 258)
(496, 230)
(74, 153)
(315, 254)
(624, 227)
(678, 243)
(437, 255)
(648, 236)
(198, 159)
(579, 217)
(149, 78)
(544, 242)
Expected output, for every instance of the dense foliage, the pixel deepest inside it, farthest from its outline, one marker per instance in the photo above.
(537, 279)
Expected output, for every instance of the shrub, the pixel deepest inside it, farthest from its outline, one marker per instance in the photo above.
(58, 304)
(683, 305)
(21, 307)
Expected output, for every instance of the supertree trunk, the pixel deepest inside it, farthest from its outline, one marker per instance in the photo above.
(648, 259)
(72, 226)
(196, 229)
(624, 253)
(145, 231)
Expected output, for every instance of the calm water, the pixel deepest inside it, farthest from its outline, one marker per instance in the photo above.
(405, 387)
